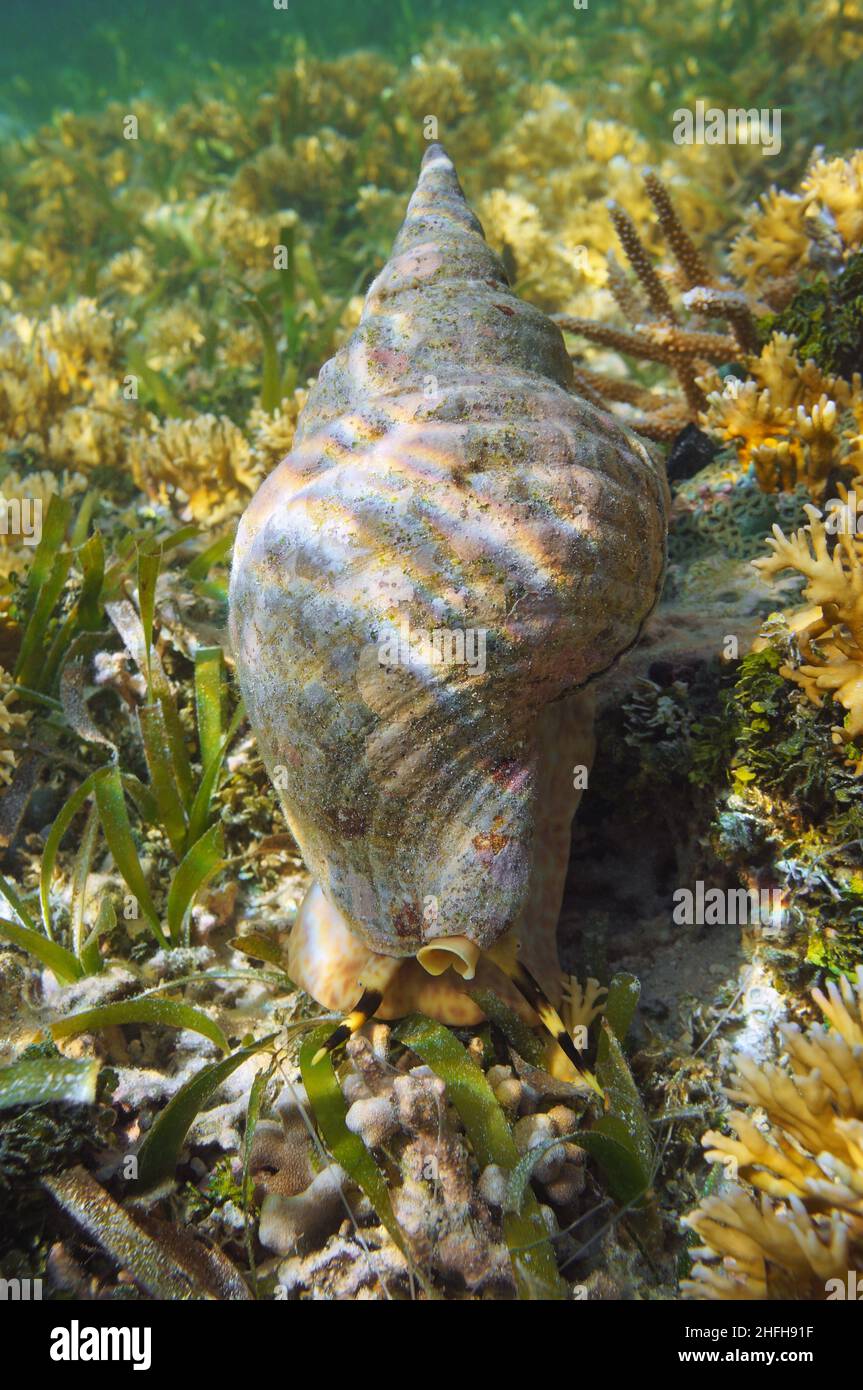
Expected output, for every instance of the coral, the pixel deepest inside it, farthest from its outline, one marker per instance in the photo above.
(769, 414)
(719, 515)
(128, 272)
(834, 188)
(272, 432)
(450, 1212)
(173, 336)
(826, 317)
(288, 1222)
(773, 246)
(60, 387)
(202, 469)
(28, 495)
(659, 332)
(789, 420)
(806, 1229)
(829, 631)
(12, 721)
(794, 813)
(787, 234)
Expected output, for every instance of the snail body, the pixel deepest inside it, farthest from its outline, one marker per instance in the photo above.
(421, 591)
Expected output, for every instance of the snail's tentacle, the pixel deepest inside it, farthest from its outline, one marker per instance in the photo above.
(367, 1006)
(504, 955)
(377, 975)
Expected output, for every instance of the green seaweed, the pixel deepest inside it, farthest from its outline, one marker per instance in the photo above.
(171, 1013)
(159, 1154)
(328, 1106)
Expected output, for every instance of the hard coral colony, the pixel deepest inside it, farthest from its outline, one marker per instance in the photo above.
(336, 574)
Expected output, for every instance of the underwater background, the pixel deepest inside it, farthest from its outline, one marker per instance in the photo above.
(194, 201)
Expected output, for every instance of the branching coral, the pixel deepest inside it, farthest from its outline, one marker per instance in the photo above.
(272, 432)
(806, 1228)
(786, 234)
(12, 721)
(678, 338)
(784, 416)
(789, 420)
(829, 631)
(60, 386)
(203, 468)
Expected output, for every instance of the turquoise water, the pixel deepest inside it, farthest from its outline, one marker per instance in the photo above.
(84, 54)
(752, 52)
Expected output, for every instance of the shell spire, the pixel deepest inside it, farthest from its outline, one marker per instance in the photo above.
(454, 546)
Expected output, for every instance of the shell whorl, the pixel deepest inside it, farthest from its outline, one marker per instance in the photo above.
(443, 480)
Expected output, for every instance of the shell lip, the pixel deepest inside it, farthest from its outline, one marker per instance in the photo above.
(439, 954)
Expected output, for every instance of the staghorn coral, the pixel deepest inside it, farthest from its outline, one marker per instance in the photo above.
(677, 338)
(770, 413)
(806, 1227)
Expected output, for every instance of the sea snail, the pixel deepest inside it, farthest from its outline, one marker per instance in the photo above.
(421, 591)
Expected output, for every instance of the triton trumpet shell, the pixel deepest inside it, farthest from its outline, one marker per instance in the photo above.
(455, 546)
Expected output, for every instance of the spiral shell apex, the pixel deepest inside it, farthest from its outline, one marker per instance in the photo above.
(454, 545)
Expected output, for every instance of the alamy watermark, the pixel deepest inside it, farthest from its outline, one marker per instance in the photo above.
(722, 907)
(20, 1290)
(850, 1288)
(842, 517)
(711, 125)
(77, 1343)
(442, 646)
(21, 516)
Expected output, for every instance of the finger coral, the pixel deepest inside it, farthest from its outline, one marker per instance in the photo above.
(802, 1227)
